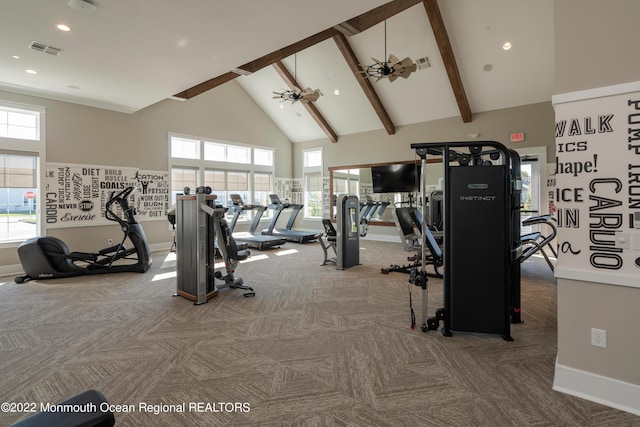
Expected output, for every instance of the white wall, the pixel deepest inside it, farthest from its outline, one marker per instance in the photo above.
(592, 52)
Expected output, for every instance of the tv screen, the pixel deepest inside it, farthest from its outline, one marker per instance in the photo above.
(398, 178)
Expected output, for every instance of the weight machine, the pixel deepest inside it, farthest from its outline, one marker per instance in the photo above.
(199, 223)
(481, 238)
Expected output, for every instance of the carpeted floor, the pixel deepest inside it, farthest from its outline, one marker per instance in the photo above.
(314, 347)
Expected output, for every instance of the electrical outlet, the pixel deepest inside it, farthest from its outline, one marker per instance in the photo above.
(110, 242)
(598, 337)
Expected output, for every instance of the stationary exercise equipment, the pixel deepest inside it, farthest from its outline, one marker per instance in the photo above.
(536, 242)
(199, 224)
(93, 411)
(288, 232)
(48, 257)
(347, 232)
(328, 241)
(409, 224)
(481, 238)
(253, 240)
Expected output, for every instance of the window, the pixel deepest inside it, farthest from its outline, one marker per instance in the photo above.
(226, 153)
(185, 148)
(313, 158)
(313, 195)
(226, 168)
(21, 152)
(19, 124)
(262, 157)
(312, 174)
(182, 178)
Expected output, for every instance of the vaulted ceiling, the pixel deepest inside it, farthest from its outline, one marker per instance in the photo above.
(125, 56)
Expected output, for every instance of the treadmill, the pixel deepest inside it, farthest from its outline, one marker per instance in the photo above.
(256, 241)
(289, 233)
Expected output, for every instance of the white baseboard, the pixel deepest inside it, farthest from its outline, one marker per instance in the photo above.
(597, 388)
(11, 270)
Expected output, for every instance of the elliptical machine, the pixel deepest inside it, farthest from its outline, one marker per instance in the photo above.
(48, 257)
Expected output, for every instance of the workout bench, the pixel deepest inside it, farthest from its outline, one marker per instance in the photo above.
(536, 242)
(328, 240)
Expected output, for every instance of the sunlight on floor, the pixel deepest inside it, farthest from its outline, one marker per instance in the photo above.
(163, 276)
(286, 252)
(255, 258)
(170, 262)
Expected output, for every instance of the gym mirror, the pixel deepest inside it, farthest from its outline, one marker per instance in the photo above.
(365, 181)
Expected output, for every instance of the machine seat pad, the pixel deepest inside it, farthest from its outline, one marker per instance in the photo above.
(531, 237)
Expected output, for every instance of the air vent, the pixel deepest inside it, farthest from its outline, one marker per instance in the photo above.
(41, 47)
(423, 63)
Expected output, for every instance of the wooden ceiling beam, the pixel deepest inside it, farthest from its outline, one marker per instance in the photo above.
(205, 86)
(313, 111)
(349, 56)
(257, 64)
(446, 51)
(374, 16)
(352, 26)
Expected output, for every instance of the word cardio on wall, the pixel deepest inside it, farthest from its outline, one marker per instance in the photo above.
(76, 195)
(598, 183)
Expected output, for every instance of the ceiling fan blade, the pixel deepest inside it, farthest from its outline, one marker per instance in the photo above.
(393, 59)
(406, 62)
(406, 71)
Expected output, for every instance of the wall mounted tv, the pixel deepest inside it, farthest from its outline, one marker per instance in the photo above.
(397, 178)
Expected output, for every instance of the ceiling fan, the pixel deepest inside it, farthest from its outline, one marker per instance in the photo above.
(392, 68)
(295, 95)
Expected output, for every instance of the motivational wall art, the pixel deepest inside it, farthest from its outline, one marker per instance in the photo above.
(597, 188)
(76, 195)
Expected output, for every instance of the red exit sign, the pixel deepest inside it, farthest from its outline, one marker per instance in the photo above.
(517, 137)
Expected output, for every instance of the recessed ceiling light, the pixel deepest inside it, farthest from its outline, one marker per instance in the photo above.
(73, 87)
(488, 67)
(506, 46)
(15, 57)
(336, 92)
(63, 27)
(281, 106)
(31, 71)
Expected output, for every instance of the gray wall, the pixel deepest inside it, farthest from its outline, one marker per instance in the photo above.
(86, 135)
(593, 52)
(535, 120)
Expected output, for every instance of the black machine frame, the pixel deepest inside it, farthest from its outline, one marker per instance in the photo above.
(47, 257)
(474, 302)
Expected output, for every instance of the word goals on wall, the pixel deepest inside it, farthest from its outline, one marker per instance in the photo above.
(76, 195)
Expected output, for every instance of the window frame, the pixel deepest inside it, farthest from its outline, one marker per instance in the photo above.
(225, 165)
(28, 147)
(307, 172)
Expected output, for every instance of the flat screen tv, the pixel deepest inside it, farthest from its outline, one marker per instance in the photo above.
(398, 178)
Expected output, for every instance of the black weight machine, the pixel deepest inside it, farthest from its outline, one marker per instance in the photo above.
(408, 220)
(481, 238)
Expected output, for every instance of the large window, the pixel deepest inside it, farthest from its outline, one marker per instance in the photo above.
(312, 175)
(226, 168)
(21, 151)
